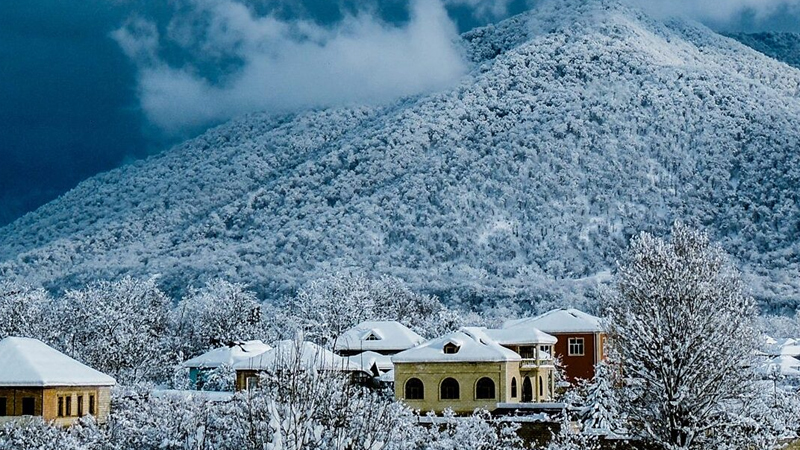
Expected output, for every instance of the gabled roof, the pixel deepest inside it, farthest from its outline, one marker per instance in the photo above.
(522, 335)
(30, 362)
(307, 354)
(561, 321)
(473, 346)
(387, 335)
(229, 355)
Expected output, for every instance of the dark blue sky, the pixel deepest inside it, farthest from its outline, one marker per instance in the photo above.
(69, 106)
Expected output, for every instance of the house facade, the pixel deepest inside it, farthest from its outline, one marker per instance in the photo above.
(468, 369)
(37, 380)
(581, 339)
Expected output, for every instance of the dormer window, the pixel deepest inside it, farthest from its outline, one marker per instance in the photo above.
(451, 348)
(372, 337)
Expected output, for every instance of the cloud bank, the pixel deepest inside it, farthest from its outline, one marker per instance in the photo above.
(280, 65)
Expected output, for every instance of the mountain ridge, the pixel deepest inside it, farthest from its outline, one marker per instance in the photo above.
(581, 124)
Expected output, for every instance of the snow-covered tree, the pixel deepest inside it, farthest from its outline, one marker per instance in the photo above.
(326, 307)
(683, 331)
(218, 314)
(600, 413)
(119, 328)
(568, 438)
(24, 311)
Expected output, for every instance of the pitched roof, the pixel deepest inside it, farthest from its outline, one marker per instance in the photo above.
(521, 335)
(387, 335)
(561, 321)
(307, 354)
(30, 362)
(229, 355)
(473, 345)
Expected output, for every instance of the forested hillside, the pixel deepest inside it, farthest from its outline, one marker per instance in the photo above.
(580, 124)
(781, 46)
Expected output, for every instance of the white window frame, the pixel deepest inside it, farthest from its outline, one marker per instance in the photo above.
(576, 341)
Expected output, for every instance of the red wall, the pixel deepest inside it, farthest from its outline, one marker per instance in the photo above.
(577, 366)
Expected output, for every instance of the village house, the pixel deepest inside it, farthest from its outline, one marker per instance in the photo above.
(385, 337)
(201, 366)
(294, 354)
(37, 380)
(468, 369)
(581, 338)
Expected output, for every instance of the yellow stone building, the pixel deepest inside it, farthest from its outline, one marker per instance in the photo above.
(476, 368)
(37, 380)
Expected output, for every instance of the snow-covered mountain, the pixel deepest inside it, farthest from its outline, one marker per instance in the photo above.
(781, 46)
(580, 124)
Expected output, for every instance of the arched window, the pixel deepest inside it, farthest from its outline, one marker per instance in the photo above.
(514, 387)
(541, 386)
(450, 389)
(415, 390)
(484, 389)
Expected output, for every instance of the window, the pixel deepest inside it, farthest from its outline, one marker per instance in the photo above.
(527, 390)
(91, 404)
(450, 348)
(80, 406)
(251, 383)
(484, 389)
(415, 390)
(527, 352)
(27, 406)
(372, 337)
(575, 347)
(60, 406)
(541, 387)
(2, 406)
(68, 411)
(514, 387)
(450, 389)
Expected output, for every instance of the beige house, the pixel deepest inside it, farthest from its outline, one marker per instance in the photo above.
(470, 369)
(37, 380)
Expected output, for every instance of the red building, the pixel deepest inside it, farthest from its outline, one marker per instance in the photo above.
(581, 337)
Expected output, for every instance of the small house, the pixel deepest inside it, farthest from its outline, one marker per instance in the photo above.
(384, 337)
(37, 380)
(581, 338)
(291, 354)
(201, 366)
(468, 369)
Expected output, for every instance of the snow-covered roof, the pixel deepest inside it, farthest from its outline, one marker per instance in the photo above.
(308, 354)
(561, 321)
(784, 364)
(521, 335)
(386, 335)
(368, 359)
(229, 355)
(473, 345)
(30, 362)
(782, 346)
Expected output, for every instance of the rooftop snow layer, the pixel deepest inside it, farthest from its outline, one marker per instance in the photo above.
(473, 345)
(378, 336)
(306, 354)
(30, 362)
(561, 321)
(229, 355)
(520, 336)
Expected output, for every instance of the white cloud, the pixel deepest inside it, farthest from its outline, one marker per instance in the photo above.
(484, 9)
(289, 65)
